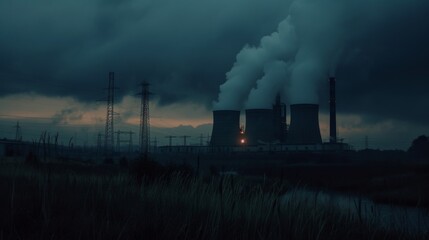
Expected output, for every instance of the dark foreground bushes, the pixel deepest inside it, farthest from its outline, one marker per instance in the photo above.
(35, 204)
(149, 170)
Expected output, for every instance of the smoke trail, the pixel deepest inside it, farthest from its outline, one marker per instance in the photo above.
(321, 39)
(250, 64)
(269, 85)
(303, 51)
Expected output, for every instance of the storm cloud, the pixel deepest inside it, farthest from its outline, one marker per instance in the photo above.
(368, 42)
(186, 48)
(182, 47)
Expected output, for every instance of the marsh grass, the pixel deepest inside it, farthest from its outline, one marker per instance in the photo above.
(68, 203)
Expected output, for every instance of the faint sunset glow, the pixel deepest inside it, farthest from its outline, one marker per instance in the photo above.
(66, 110)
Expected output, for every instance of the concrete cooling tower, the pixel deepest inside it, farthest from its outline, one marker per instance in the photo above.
(304, 124)
(226, 128)
(259, 126)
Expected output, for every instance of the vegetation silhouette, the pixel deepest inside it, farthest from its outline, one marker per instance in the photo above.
(419, 149)
(73, 202)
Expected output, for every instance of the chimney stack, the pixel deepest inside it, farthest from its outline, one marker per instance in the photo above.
(333, 112)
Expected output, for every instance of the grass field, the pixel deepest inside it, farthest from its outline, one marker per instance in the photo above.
(72, 201)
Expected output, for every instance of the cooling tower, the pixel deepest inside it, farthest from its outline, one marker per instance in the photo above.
(259, 126)
(304, 124)
(226, 128)
(279, 120)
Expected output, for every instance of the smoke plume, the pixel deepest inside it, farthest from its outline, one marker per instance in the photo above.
(253, 63)
(302, 52)
(268, 85)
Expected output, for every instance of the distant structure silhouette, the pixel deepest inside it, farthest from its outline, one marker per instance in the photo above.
(120, 140)
(170, 140)
(99, 149)
(154, 144)
(109, 129)
(184, 139)
(201, 137)
(18, 133)
(419, 148)
(130, 142)
(332, 112)
(144, 119)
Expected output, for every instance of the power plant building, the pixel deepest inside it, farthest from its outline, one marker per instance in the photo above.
(259, 126)
(267, 129)
(268, 126)
(304, 124)
(279, 120)
(226, 128)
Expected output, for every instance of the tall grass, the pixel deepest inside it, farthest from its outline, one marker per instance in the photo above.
(49, 203)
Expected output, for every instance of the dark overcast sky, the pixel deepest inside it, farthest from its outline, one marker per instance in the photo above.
(185, 48)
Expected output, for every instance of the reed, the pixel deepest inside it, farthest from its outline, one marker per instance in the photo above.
(55, 203)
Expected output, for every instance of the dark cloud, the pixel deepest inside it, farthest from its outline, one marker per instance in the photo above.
(184, 48)
(385, 70)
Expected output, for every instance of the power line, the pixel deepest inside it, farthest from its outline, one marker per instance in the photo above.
(184, 139)
(8, 116)
(201, 137)
(129, 141)
(170, 140)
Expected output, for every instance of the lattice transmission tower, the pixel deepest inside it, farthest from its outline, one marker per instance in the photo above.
(144, 119)
(18, 134)
(109, 130)
(128, 141)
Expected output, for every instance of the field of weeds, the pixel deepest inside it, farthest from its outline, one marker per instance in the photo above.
(87, 202)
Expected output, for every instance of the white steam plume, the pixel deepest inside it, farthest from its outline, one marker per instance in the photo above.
(250, 64)
(320, 27)
(268, 85)
(302, 52)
